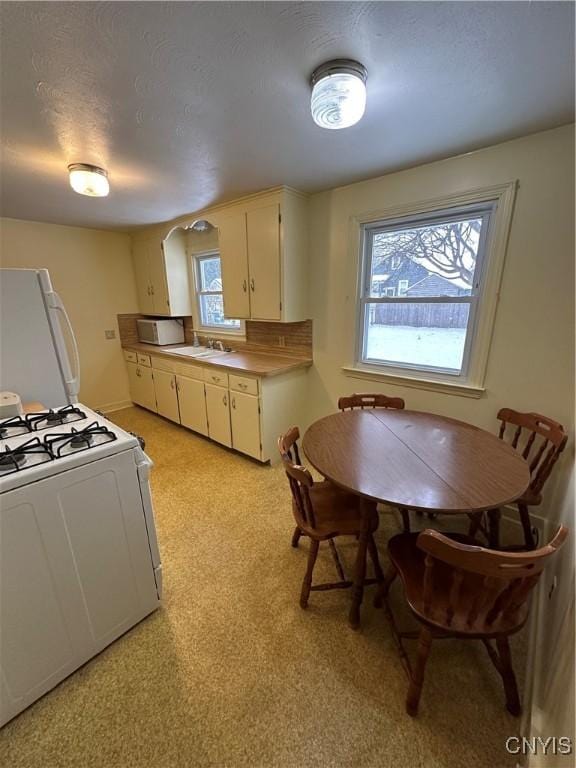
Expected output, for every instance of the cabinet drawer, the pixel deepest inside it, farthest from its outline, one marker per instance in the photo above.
(215, 377)
(162, 364)
(130, 357)
(144, 360)
(244, 384)
(195, 372)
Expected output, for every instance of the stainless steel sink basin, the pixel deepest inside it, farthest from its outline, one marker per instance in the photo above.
(190, 351)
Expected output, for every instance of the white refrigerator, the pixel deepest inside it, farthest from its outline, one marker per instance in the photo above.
(35, 340)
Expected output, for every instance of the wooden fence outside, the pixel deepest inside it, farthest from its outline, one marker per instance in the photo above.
(420, 315)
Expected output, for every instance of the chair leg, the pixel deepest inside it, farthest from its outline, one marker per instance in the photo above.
(384, 587)
(494, 528)
(337, 562)
(527, 526)
(307, 583)
(417, 678)
(475, 524)
(405, 519)
(508, 677)
(296, 536)
(373, 550)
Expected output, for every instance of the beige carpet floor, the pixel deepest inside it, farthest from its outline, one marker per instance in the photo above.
(231, 672)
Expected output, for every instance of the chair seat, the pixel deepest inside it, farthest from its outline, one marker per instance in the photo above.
(337, 512)
(409, 561)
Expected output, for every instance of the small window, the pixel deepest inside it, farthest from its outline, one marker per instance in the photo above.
(209, 292)
(428, 323)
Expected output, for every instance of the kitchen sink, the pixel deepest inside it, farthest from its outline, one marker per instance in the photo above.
(191, 351)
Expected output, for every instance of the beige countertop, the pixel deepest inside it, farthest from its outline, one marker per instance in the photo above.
(255, 363)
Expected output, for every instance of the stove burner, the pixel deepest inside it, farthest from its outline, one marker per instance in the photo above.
(12, 459)
(80, 439)
(31, 453)
(38, 421)
(68, 442)
(8, 427)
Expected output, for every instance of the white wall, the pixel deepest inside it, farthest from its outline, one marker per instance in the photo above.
(531, 362)
(92, 271)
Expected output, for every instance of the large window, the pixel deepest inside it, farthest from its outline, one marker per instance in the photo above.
(421, 283)
(209, 294)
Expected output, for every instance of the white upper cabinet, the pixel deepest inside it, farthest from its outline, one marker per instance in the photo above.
(263, 243)
(263, 237)
(233, 249)
(162, 277)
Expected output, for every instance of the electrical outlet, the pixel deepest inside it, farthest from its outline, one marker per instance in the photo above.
(110, 334)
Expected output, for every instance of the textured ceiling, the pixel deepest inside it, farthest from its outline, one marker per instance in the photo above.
(187, 104)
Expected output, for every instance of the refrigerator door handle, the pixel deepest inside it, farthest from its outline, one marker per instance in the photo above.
(73, 384)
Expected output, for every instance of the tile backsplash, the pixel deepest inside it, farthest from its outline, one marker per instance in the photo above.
(281, 338)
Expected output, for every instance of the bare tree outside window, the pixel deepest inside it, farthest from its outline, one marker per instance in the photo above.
(420, 291)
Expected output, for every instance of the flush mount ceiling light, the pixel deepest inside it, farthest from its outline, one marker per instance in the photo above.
(338, 93)
(88, 180)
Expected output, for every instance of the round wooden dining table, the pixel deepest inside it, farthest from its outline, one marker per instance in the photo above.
(412, 460)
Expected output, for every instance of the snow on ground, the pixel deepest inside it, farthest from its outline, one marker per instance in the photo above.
(441, 347)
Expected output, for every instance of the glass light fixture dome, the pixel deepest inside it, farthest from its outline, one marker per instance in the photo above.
(338, 93)
(88, 180)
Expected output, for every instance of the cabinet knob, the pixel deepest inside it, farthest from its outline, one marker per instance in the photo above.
(225, 400)
(244, 286)
(252, 284)
(172, 383)
(148, 291)
(234, 403)
(242, 385)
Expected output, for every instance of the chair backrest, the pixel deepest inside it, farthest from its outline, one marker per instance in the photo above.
(469, 588)
(540, 440)
(362, 401)
(299, 478)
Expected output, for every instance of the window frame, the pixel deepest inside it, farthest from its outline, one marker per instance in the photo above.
(460, 213)
(501, 197)
(223, 330)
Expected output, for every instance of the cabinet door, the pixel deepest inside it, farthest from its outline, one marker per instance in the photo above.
(263, 237)
(141, 386)
(158, 279)
(234, 261)
(142, 274)
(166, 396)
(75, 574)
(245, 418)
(218, 411)
(192, 402)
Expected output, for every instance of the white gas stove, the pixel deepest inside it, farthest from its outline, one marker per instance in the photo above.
(38, 445)
(79, 558)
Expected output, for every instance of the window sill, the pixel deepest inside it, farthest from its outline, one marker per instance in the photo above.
(449, 388)
(216, 333)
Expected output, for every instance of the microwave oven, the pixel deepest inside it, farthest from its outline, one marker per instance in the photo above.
(160, 331)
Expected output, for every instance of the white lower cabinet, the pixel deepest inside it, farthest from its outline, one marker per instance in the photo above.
(218, 412)
(166, 395)
(243, 412)
(245, 422)
(141, 386)
(192, 401)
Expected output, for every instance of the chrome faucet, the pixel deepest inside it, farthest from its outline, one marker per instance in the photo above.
(210, 343)
(219, 345)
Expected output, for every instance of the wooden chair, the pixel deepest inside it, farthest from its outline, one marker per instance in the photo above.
(541, 441)
(351, 402)
(457, 590)
(322, 512)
